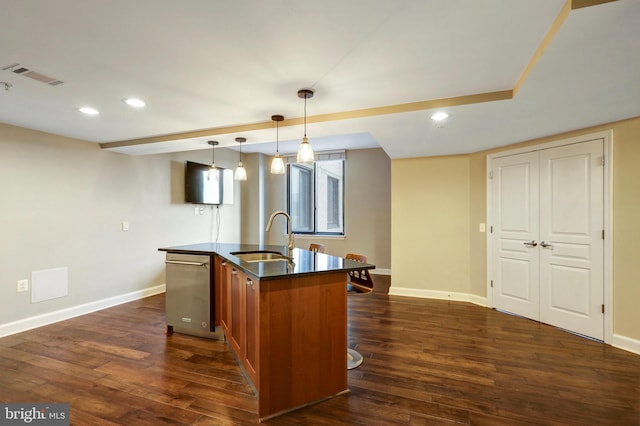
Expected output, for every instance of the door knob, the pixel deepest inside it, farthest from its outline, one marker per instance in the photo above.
(531, 243)
(546, 245)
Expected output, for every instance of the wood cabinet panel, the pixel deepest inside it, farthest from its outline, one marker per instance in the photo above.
(237, 311)
(252, 329)
(289, 334)
(222, 289)
(303, 335)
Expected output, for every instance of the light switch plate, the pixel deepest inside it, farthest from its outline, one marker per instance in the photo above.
(23, 285)
(482, 227)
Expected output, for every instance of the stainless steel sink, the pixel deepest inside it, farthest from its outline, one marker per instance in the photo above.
(260, 256)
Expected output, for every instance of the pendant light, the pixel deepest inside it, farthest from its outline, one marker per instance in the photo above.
(241, 173)
(214, 172)
(277, 165)
(305, 152)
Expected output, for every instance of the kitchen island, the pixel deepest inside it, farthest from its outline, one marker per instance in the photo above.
(285, 320)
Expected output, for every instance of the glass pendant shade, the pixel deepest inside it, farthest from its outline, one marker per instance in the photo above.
(277, 165)
(214, 172)
(240, 173)
(305, 152)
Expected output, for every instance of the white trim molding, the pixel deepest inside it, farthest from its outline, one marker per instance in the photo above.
(437, 294)
(626, 343)
(75, 311)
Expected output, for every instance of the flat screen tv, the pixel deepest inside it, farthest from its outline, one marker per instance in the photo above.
(200, 188)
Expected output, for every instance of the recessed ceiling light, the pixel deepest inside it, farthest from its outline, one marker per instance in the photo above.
(439, 116)
(88, 110)
(137, 103)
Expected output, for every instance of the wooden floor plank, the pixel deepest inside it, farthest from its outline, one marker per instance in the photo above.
(426, 362)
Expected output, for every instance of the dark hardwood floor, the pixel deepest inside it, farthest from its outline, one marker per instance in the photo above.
(427, 362)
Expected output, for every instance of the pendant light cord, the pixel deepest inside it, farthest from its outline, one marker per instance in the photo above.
(213, 152)
(305, 116)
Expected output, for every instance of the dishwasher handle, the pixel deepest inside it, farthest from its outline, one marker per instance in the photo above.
(184, 262)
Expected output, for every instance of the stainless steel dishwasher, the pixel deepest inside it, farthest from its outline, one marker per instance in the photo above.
(189, 303)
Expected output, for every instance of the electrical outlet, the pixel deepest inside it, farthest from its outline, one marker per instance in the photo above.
(482, 227)
(125, 226)
(23, 285)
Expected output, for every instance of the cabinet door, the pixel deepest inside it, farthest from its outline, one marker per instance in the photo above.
(222, 283)
(237, 299)
(252, 316)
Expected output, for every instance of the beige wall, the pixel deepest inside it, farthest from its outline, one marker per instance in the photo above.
(477, 215)
(419, 174)
(626, 228)
(430, 223)
(367, 208)
(62, 203)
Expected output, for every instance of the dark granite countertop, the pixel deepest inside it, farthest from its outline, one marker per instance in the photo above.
(305, 262)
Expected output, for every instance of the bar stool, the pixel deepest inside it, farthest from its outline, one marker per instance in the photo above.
(360, 282)
(318, 248)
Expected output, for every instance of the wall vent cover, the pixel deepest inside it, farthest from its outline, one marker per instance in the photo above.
(27, 72)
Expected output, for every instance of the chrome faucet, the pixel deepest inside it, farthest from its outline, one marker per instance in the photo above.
(289, 230)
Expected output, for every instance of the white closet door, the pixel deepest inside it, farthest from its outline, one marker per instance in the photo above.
(571, 245)
(515, 233)
(547, 245)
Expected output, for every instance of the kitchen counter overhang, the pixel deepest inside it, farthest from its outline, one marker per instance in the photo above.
(305, 262)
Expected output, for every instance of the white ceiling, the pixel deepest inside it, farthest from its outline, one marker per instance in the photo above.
(202, 64)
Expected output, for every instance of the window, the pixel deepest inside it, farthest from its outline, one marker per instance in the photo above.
(300, 197)
(316, 197)
(333, 202)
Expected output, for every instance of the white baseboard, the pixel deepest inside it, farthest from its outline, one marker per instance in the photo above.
(380, 271)
(626, 343)
(478, 300)
(75, 311)
(436, 294)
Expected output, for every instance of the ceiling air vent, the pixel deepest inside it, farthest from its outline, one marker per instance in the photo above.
(22, 70)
